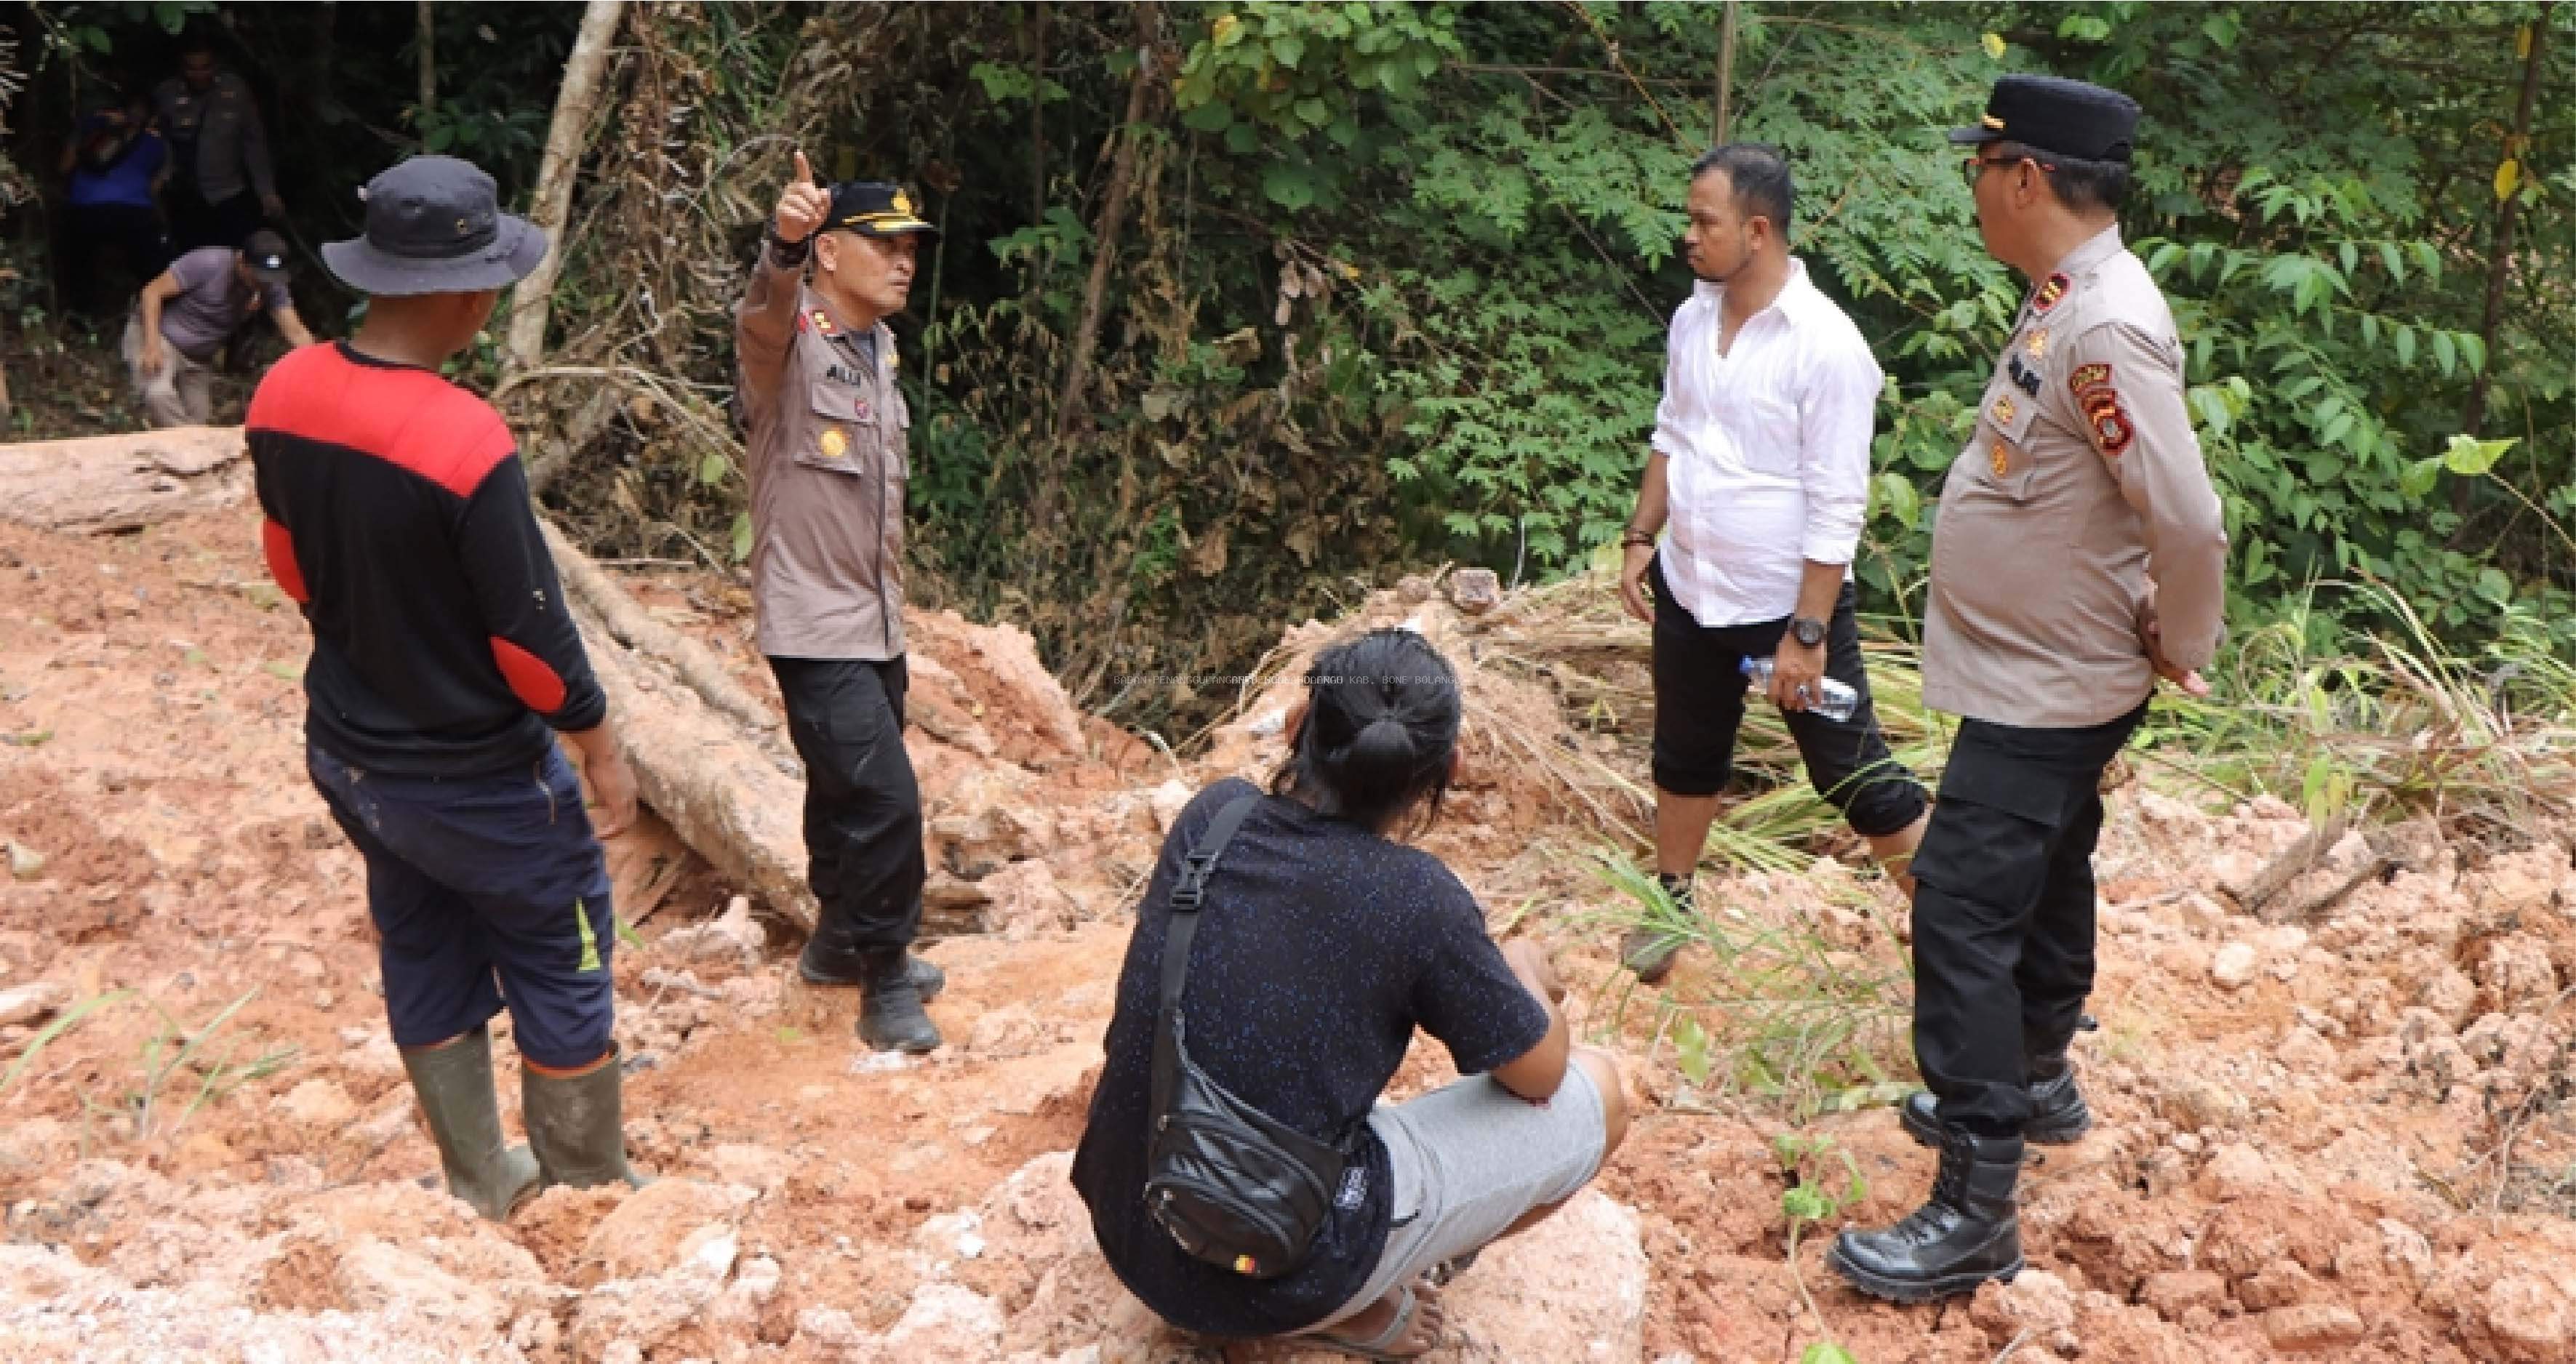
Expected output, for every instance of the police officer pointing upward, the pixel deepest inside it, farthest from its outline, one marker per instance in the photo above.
(828, 463)
(2078, 556)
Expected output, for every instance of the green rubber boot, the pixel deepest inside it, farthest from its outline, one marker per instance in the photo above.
(577, 1125)
(454, 1083)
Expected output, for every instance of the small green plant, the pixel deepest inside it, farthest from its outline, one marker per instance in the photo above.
(1786, 1014)
(1809, 1165)
(174, 1049)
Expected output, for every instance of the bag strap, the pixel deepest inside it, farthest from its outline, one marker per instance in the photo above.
(1189, 891)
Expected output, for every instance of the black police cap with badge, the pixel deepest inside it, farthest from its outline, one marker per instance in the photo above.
(875, 208)
(2053, 115)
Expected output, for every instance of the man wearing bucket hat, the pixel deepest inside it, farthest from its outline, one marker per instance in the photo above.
(186, 313)
(444, 663)
(828, 463)
(2079, 556)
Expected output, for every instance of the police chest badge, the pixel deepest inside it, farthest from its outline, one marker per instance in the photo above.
(833, 443)
(2038, 343)
(2111, 424)
(2004, 409)
(1999, 459)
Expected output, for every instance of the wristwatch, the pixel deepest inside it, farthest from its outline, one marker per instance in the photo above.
(1807, 630)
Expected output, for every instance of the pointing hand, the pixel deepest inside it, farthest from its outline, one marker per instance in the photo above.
(802, 206)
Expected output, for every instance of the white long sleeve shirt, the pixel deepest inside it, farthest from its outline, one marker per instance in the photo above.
(1766, 449)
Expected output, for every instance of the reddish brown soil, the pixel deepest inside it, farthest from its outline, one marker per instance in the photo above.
(2363, 1149)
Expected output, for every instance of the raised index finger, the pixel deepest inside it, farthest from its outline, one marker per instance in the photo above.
(804, 172)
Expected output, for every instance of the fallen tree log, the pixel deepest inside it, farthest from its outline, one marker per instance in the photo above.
(626, 621)
(719, 787)
(119, 483)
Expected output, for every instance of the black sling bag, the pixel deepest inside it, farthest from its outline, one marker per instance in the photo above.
(1232, 1185)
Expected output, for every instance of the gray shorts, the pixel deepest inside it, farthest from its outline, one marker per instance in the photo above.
(1467, 1160)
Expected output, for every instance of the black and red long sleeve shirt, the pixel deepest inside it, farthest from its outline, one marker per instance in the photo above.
(397, 518)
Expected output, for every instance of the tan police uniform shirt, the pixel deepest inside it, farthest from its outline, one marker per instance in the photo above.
(2080, 499)
(829, 464)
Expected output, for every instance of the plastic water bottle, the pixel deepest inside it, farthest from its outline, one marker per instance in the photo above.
(1837, 703)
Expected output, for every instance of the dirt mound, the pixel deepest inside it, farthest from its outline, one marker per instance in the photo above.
(1523, 772)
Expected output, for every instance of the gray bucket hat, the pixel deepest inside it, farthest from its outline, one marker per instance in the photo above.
(434, 227)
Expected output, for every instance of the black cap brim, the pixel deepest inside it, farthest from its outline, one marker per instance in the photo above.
(1964, 137)
(903, 227)
(516, 248)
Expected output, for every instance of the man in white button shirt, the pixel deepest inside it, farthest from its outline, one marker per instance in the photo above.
(1758, 483)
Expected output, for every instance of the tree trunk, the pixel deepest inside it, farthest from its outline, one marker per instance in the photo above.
(1113, 217)
(125, 482)
(2500, 255)
(428, 61)
(574, 102)
(1037, 115)
(1725, 76)
(629, 624)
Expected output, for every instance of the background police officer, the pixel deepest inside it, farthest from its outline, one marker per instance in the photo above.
(828, 462)
(2078, 555)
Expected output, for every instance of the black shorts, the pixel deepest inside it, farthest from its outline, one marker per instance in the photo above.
(481, 888)
(1699, 705)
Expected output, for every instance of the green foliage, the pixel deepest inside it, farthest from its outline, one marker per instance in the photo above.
(1783, 1013)
(1817, 1190)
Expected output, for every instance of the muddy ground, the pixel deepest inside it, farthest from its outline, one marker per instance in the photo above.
(2343, 1133)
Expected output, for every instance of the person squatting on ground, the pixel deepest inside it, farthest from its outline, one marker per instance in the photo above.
(2078, 556)
(1759, 479)
(826, 442)
(222, 184)
(110, 167)
(186, 313)
(1325, 942)
(445, 659)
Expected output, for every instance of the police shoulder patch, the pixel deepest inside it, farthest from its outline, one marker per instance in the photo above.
(2112, 429)
(2051, 291)
(2089, 376)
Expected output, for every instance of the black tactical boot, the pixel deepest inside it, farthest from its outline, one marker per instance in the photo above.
(822, 965)
(1650, 949)
(831, 958)
(890, 1015)
(454, 1084)
(1966, 1234)
(2058, 1114)
(577, 1125)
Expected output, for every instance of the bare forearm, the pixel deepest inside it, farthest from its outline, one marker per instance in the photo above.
(596, 744)
(1819, 585)
(1651, 507)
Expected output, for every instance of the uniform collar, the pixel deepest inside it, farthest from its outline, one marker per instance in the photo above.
(814, 303)
(2101, 246)
(1789, 303)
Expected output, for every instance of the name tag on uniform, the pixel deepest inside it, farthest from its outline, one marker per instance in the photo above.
(2024, 377)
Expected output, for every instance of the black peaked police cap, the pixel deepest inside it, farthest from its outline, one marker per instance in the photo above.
(875, 208)
(2053, 114)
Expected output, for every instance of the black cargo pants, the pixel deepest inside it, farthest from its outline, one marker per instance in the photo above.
(2003, 912)
(862, 804)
